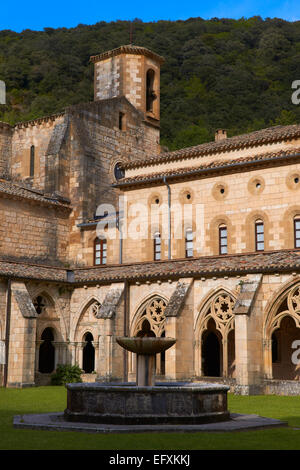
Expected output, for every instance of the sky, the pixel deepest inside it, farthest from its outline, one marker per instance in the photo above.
(18, 15)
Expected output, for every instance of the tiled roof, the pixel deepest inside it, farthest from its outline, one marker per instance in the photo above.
(204, 266)
(266, 262)
(217, 165)
(16, 191)
(261, 137)
(128, 49)
(23, 270)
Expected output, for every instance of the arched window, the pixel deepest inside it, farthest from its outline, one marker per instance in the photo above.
(88, 358)
(100, 251)
(150, 94)
(297, 231)
(157, 246)
(47, 352)
(32, 158)
(122, 121)
(259, 236)
(223, 240)
(189, 243)
(119, 171)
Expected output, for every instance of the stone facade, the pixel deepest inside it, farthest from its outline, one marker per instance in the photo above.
(229, 294)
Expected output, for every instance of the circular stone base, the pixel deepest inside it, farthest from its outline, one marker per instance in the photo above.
(125, 404)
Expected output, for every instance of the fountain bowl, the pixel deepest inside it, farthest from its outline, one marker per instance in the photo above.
(145, 346)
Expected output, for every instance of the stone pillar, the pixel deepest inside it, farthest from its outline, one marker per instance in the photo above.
(247, 352)
(179, 325)
(267, 349)
(104, 350)
(225, 357)
(241, 354)
(22, 338)
(170, 354)
(37, 355)
(96, 348)
(80, 353)
(248, 337)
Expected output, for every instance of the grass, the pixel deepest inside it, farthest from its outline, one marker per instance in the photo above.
(49, 399)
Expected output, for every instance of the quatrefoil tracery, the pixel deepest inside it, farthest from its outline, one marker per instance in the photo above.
(154, 313)
(220, 310)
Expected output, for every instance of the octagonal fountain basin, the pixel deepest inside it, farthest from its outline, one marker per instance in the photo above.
(144, 345)
(164, 403)
(146, 402)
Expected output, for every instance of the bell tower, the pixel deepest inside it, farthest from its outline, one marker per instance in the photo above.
(133, 72)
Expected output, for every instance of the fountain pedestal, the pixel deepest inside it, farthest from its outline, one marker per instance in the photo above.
(146, 350)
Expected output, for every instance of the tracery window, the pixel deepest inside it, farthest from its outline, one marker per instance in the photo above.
(154, 314)
(40, 304)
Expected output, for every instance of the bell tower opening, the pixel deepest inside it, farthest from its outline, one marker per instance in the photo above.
(130, 71)
(150, 93)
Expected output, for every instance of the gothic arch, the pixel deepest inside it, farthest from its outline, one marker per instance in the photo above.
(281, 328)
(273, 313)
(150, 310)
(147, 310)
(89, 308)
(46, 352)
(215, 316)
(45, 326)
(54, 310)
(223, 322)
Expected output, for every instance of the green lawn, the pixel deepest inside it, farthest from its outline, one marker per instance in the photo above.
(47, 399)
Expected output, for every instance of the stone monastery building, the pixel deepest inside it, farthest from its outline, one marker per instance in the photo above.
(227, 288)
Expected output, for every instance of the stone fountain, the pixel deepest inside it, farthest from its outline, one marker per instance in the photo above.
(146, 402)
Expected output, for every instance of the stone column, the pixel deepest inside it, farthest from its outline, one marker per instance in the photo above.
(225, 357)
(80, 346)
(37, 355)
(197, 358)
(170, 354)
(267, 348)
(96, 348)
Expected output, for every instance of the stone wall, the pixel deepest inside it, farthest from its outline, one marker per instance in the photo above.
(37, 133)
(33, 232)
(5, 149)
(205, 207)
(96, 146)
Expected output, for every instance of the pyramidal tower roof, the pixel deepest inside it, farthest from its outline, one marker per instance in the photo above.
(128, 49)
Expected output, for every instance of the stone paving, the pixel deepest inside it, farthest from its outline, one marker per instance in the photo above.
(56, 422)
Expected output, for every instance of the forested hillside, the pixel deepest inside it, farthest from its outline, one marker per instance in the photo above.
(219, 73)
